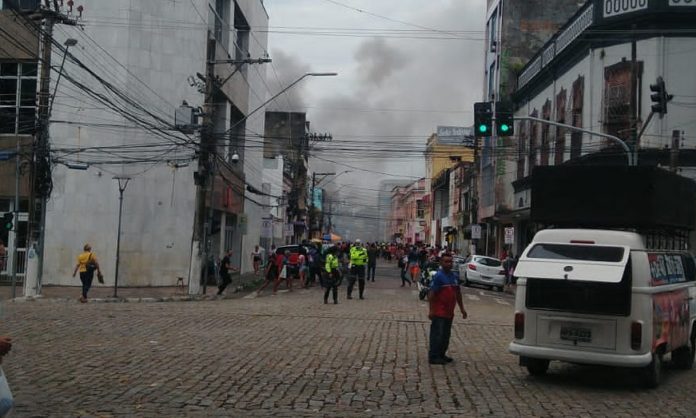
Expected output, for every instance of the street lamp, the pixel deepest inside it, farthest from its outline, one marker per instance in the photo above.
(68, 43)
(122, 183)
(278, 94)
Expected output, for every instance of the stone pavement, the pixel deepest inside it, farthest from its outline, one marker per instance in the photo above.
(291, 355)
(105, 292)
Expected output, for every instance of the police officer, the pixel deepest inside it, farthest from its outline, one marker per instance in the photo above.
(333, 276)
(358, 260)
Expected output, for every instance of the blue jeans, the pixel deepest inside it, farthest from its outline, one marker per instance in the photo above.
(440, 331)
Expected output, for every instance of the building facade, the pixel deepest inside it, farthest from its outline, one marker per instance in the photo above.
(584, 78)
(515, 30)
(151, 67)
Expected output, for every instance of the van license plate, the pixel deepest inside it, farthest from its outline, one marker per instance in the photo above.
(583, 335)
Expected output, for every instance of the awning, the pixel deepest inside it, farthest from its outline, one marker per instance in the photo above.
(332, 237)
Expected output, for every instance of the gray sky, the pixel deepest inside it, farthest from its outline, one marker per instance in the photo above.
(392, 90)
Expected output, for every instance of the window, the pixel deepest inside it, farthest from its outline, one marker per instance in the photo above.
(420, 209)
(545, 133)
(493, 33)
(17, 97)
(561, 100)
(23, 4)
(576, 137)
(617, 98)
(577, 252)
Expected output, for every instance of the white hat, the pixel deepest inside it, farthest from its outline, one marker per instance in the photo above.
(357, 241)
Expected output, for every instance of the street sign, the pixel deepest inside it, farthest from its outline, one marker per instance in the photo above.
(475, 231)
(510, 235)
(289, 230)
(267, 228)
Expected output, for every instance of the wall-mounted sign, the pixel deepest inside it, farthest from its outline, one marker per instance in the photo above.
(510, 235)
(682, 2)
(475, 231)
(620, 7)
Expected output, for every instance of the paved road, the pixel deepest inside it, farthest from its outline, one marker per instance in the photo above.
(291, 355)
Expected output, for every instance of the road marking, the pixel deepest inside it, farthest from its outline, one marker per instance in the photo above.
(501, 301)
(473, 297)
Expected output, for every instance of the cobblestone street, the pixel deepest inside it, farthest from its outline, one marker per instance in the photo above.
(291, 355)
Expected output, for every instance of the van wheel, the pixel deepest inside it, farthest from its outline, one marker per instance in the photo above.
(537, 367)
(466, 281)
(653, 371)
(683, 357)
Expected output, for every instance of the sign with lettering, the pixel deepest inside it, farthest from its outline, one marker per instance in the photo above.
(620, 7)
(682, 2)
(267, 228)
(475, 231)
(666, 269)
(510, 235)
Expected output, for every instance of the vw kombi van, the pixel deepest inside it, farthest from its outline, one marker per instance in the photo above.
(602, 297)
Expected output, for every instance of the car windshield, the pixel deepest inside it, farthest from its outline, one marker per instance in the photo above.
(490, 262)
(577, 252)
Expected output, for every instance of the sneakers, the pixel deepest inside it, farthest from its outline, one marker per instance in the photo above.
(448, 359)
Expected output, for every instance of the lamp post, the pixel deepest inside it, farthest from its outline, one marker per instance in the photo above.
(122, 183)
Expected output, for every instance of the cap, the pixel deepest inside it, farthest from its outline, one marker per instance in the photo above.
(357, 241)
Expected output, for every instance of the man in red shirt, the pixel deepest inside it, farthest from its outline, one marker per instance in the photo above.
(444, 294)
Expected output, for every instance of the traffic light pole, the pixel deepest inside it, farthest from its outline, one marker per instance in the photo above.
(631, 156)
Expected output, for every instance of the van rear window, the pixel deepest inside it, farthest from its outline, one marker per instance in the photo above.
(577, 252)
(581, 297)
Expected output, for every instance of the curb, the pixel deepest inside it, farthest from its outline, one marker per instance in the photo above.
(183, 298)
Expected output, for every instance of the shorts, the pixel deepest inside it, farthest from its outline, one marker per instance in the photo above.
(257, 258)
(414, 269)
(304, 269)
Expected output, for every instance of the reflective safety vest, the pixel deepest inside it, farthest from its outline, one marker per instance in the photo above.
(358, 256)
(331, 263)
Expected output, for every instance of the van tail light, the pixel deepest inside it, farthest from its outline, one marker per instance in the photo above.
(636, 335)
(472, 266)
(519, 325)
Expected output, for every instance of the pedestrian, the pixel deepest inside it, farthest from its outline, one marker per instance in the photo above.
(225, 269)
(271, 274)
(358, 260)
(87, 264)
(413, 263)
(256, 259)
(372, 254)
(303, 267)
(444, 293)
(283, 271)
(333, 276)
(403, 266)
(314, 261)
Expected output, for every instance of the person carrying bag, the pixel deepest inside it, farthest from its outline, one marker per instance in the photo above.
(87, 264)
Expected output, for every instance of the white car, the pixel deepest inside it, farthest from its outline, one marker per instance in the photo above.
(480, 269)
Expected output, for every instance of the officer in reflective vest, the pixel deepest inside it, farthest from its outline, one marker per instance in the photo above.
(333, 276)
(358, 260)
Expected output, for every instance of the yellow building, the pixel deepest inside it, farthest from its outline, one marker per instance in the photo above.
(443, 153)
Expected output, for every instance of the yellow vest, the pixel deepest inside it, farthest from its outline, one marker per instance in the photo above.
(358, 256)
(331, 263)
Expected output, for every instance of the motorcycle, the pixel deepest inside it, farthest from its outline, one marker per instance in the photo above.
(426, 277)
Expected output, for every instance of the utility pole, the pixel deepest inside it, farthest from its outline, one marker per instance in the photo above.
(40, 170)
(203, 175)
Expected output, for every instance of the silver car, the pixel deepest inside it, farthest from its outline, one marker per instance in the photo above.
(480, 269)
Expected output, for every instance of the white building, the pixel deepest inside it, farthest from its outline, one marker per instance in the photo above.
(153, 57)
(583, 77)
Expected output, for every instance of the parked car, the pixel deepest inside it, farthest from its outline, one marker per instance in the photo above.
(483, 270)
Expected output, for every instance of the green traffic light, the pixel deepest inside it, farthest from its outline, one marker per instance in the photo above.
(483, 128)
(504, 128)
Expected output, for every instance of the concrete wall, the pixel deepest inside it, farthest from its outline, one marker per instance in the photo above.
(159, 202)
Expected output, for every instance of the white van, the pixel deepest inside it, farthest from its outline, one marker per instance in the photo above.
(601, 297)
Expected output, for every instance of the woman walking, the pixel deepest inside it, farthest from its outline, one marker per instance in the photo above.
(87, 264)
(256, 258)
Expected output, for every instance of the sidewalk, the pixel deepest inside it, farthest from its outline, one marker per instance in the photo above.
(105, 292)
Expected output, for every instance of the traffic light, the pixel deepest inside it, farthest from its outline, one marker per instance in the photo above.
(7, 223)
(659, 97)
(504, 121)
(483, 119)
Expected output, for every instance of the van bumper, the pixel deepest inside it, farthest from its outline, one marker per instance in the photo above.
(582, 357)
